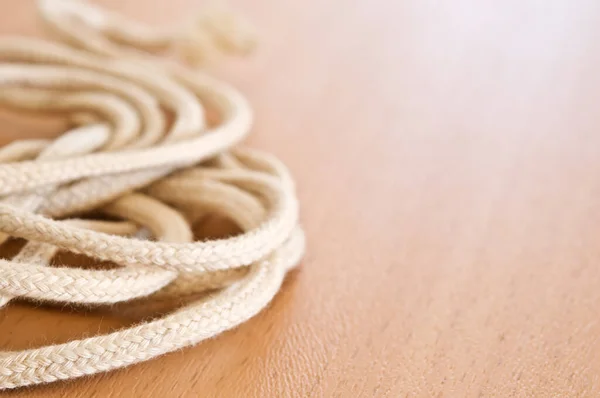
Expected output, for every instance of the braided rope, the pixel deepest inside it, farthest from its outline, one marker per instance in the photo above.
(153, 175)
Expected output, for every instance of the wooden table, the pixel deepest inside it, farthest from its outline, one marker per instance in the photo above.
(447, 156)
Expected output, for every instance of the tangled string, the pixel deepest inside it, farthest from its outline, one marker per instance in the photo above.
(125, 184)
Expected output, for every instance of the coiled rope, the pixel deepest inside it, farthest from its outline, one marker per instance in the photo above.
(140, 158)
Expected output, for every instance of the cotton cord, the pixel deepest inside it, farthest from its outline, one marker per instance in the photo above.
(139, 166)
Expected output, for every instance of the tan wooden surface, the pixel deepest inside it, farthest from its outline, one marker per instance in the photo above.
(447, 157)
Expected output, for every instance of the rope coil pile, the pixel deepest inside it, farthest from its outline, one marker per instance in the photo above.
(141, 158)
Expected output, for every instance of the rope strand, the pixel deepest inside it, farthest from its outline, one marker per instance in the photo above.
(141, 153)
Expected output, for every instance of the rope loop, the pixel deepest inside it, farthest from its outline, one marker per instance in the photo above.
(139, 166)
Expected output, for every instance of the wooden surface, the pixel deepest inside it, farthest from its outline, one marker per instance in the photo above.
(447, 157)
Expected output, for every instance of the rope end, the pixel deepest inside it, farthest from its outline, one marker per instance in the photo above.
(217, 30)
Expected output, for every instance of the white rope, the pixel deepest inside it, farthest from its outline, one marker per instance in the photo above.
(140, 152)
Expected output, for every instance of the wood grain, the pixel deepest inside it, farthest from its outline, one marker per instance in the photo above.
(447, 157)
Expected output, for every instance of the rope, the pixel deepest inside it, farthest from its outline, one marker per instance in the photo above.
(138, 167)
